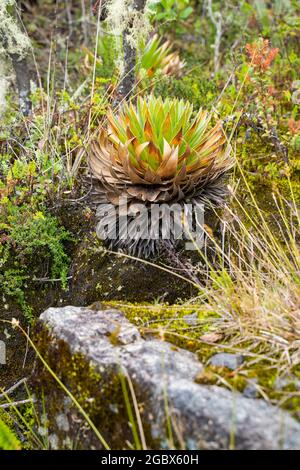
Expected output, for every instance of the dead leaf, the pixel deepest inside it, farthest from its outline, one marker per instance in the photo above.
(211, 337)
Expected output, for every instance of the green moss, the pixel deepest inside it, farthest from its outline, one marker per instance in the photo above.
(193, 88)
(169, 323)
(6, 418)
(101, 398)
(172, 322)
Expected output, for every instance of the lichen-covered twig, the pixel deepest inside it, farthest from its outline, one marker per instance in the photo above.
(14, 45)
(16, 403)
(13, 387)
(127, 80)
(216, 19)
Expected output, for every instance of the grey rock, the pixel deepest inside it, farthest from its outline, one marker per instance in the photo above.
(231, 361)
(251, 391)
(206, 416)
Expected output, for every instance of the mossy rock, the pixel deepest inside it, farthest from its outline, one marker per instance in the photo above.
(95, 355)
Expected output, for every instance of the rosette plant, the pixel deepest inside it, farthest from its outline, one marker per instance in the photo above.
(159, 56)
(156, 152)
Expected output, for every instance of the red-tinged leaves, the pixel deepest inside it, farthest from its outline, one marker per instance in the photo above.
(157, 143)
(261, 54)
(168, 167)
(148, 130)
(178, 138)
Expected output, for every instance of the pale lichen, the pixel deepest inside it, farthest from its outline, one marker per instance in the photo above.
(4, 83)
(14, 44)
(123, 18)
(12, 39)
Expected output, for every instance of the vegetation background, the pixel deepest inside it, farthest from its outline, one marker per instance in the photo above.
(66, 65)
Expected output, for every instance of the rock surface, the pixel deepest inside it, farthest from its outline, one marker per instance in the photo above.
(96, 274)
(228, 360)
(163, 378)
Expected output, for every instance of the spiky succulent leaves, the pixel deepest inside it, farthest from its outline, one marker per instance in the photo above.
(159, 56)
(156, 151)
(160, 152)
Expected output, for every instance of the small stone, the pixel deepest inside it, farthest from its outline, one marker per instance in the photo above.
(250, 391)
(231, 361)
(128, 335)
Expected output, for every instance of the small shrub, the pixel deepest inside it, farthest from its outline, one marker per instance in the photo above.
(31, 242)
